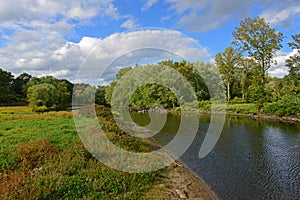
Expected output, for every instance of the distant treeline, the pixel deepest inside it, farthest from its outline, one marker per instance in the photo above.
(42, 94)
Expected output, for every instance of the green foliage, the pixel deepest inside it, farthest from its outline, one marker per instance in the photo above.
(242, 108)
(42, 97)
(288, 105)
(246, 71)
(292, 80)
(100, 95)
(41, 158)
(165, 87)
(259, 41)
(83, 94)
(227, 63)
(153, 94)
(6, 79)
(48, 93)
(205, 105)
(191, 73)
(19, 84)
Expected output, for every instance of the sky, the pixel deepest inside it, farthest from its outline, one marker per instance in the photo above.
(59, 37)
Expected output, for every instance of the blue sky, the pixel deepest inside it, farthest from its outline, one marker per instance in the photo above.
(54, 37)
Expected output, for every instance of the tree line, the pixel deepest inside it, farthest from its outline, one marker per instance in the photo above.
(43, 94)
(244, 68)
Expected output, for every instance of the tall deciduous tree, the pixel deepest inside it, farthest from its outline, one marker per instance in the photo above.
(260, 41)
(227, 63)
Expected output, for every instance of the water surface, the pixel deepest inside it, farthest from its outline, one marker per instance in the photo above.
(253, 159)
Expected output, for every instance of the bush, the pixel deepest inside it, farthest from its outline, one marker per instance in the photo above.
(205, 105)
(288, 105)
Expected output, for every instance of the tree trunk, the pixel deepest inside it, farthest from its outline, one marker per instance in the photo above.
(228, 92)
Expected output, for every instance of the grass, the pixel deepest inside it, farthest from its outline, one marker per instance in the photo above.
(231, 108)
(242, 108)
(41, 157)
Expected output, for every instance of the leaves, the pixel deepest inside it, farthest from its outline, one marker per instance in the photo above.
(259, 41)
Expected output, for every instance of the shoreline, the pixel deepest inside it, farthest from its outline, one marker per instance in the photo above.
(289, 119)
(180, 182)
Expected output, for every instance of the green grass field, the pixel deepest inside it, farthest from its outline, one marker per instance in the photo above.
(41, 157)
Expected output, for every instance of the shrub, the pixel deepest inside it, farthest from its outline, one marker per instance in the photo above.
(288, 105)
(205, 105)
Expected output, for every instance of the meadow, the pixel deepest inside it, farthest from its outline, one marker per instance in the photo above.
(42, 157)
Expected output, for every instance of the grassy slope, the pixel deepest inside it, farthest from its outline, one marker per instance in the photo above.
(41, 157)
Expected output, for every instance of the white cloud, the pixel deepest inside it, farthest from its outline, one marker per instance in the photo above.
(59, 16)
(112, 11)
(141, 46)
(78, 12)
(33, 33)
(280, 68)
(63, 59)
(129, 24)
(149, 4)
(283, 16)
(61, 73)
(206, 15)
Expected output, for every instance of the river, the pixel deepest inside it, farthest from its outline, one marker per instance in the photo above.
(252, 159)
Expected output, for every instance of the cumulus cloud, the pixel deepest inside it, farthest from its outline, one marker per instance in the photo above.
(33, 34)
(90, 56)
(141, 46)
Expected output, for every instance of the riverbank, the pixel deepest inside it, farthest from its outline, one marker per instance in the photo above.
(180, 183)
(248, 110)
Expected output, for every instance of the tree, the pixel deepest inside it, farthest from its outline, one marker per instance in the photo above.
(293, 63)
(6, 79)
(42, 97)
(227, 63)
(19, 86)
(100, 95)
(259, 41)
(110, 89)
(187, 69)
(48, 93)
(246, 66)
